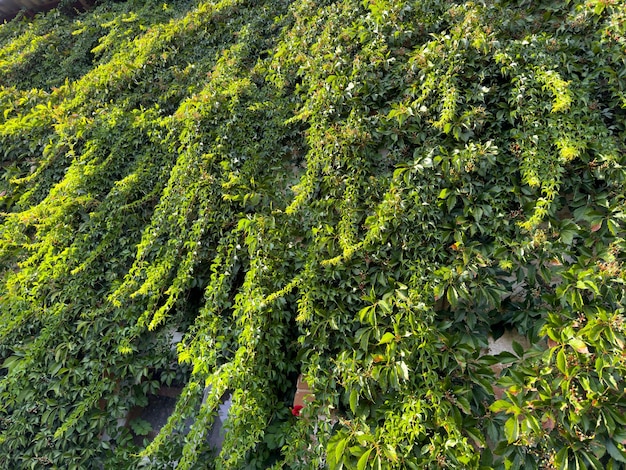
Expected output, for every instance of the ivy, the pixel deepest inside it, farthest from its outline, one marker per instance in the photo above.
(362, 192)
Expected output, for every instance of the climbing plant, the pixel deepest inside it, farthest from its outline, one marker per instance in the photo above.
(359, 191)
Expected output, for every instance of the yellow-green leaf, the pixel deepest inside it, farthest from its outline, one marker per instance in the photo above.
(362, 463)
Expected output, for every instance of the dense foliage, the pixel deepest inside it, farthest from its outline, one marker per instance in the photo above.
(361, 191)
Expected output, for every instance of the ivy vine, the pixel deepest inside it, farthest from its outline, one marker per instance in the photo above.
(360, 191)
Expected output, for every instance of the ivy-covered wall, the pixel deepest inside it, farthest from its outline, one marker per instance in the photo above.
(361, 191)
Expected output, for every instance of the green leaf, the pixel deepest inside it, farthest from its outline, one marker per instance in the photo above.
(561, 361)
(518, 348)
(561, 459)
(385, 305)
(464, 404)
(619, 436)
(390, 453)
(387, 338)
(451, 202)
(500, 405)
(593, 461)
(403, 370)
(362, 463)
(578, 345)
(365, 313)
(140, 426)
(615, 452)
(339, 450)
(377, 464)
(511, 429)
(452, 296)
(476, 436)
(613, 226)
(568, 231)
(354, 400)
